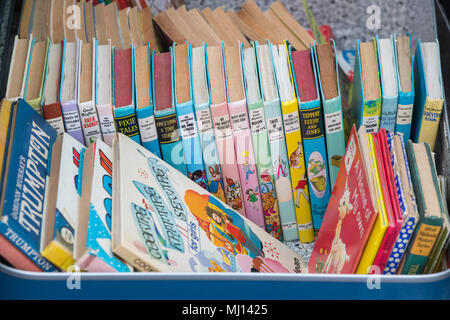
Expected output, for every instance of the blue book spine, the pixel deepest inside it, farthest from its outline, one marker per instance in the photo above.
(389, 113)
(191, 143)
(29, 165)
(127, 123)
(311, 123)
(147, 128)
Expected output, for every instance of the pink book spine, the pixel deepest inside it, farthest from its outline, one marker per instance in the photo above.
(16, 258)
(91, 263)
(387, 245)
(246, 161)
(227, 157)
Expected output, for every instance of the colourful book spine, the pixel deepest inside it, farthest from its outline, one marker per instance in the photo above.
(381, 222)
(262, 150)
(245, 155)
(334, 124)
(123, 81)
(405, 101)
(206, 129)
(294, 144)
(165, 113)
(146, 118)
(427, 110)
(193, 155)
(365, 112)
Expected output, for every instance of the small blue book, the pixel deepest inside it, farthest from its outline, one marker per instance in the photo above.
(26, 173)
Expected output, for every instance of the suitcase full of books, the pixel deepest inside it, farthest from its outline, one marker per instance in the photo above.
(262, 267)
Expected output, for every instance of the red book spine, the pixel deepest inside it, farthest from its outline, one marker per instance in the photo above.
(304, 75)
(122, 77)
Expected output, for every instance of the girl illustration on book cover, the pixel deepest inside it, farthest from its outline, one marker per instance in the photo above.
(300, 189)
(216, 185)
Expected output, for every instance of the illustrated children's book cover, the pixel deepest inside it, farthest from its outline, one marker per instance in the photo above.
(93, 251)
(349, 217)
(163, 221)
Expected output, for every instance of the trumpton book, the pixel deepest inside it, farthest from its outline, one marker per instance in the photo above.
(163, 221)
(349, 218)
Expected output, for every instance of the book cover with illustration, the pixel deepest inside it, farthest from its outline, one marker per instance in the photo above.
(165, 222)
(93, 250)
(24, 188)
(349, 217)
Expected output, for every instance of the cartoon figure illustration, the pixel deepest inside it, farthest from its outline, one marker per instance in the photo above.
(338, 254)
(198, 177)
(234, 198)
(274, 229)
(267, 190)
(296, 155)
(247, 169)
(223, 227)
(216, 185)
(281, 166)
(300, 188)
(252, 196)
(316, 166)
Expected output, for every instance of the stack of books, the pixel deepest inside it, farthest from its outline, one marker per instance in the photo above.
(227, 136)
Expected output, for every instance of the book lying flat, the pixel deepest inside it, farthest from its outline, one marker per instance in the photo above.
(163, 221)
(93, 250)
(63, 202)
(261, 144)
(205, 123)
(24, 187)
(349, 219)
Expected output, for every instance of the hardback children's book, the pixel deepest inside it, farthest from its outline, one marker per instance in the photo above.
(404, 57)
(124, 93)
(388, 82)
(261, 144)
(35, 75)
(391, 196)
(18, 68)
(205, 123)
(277, 142)
(223, 129)
(86, 92)
(113, 31)
(51, 107)
(68, 91)
(330, 91)
(191, 230)
(429, 93)
(100, 25)
(93, 250)
(430, 204)
(349, 219)
(165, 113)
(313, 132)
(294, 142)
(184, 105)
(103, 91)
(384, 216)
(26, 19)
(144, 100)
(407, 201)
(5, 126)
(243, 144)
(24, 188)
(62, 208)
(56, 22)
(366, 92)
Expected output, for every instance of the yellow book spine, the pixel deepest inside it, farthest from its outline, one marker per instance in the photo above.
(381, 223)
(5, 114)
(430, 121)
(300, 190)
(58, 255)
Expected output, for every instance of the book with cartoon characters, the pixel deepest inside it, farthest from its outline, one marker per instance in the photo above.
(163, 221)
(349, 217)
